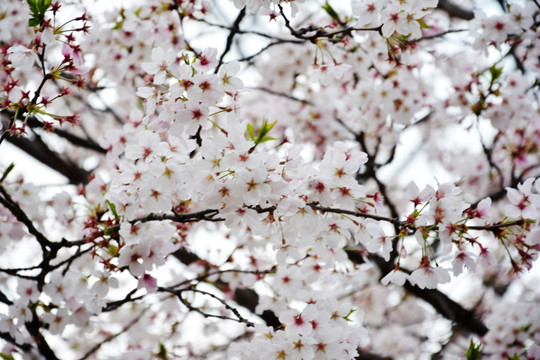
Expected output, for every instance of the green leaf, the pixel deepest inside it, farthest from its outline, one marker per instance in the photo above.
(34, 22)
(5, 356)
(265, 129)
(250, 131)
(119, 23)
(473, 352)
(271, 126)
(38, 9)
(46, 4)
(267, 138)
(162, 354)
(330, 11)
(7, 171)
(349, 314)
(261, 136)
(495, 73)
(33, 5)
(112, 250)
(113, 209)
(423, 24)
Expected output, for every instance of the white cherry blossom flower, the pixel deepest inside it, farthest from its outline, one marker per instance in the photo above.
(427, 276)
(57, 321)
(396, 277)
(22, 57)
(522, 201)
(158, 67)
(299, 323)
(368, 12)
(207, 60)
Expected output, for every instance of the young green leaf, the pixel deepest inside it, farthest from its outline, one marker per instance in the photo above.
(495, 73)
(5, 356)
(162, 354)
(330, 11)
(38, 8)
(265, 129)
(113, 209)
(266, 138)
(250, 131)
(423, 24)
(473, 352)
(7, 171)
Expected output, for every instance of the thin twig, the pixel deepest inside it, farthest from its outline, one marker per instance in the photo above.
(114, 336)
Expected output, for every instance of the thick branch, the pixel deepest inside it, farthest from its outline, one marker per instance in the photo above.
(465, 319)
(455, 10)
(7, 337)
(39, 151)
(14, 208)
(33, 328)
(34, 123)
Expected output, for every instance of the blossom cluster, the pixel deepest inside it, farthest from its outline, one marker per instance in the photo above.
(402, 17)
(316, 332)
(26, 92)
(269, 7)
(312, 194)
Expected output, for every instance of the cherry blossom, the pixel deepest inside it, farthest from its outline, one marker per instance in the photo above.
(21, 57)
(427, 276)
(368, 12)
(161, 59)
(256, 179)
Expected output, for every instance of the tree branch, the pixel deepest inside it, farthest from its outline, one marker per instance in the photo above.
(41, 152)
(455, 10)
(234, 29)
(114, 336)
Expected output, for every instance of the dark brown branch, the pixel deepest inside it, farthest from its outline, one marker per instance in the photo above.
(33, 328)
(371, 173)
(4, 299)
(249, 299)
(24, 347)
(280, 94)
(496, 227)
(235, 28)
(246, 298)
(455, 10)
(263, 49)
(209, 215)
(112, 337)
(251, 32)
(14, 208)
(465, 319)
(221, 272)
(37, 149)
(362, 355)
(434, 36)
(206, 215)
(33, 122)
(319, 32)
(113, 305)
(239, 318)
(324, 209)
